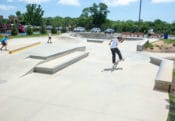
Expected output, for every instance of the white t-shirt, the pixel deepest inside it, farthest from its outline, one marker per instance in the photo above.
(114, 43)
(49, 34)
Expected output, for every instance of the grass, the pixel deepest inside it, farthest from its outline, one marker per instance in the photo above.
(149, 45)
(170, 41)
(25, 36)
(171, 115)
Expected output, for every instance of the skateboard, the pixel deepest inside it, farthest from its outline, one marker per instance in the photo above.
(115, 65)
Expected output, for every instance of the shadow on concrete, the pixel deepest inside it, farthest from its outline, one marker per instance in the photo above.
(111, 69)
(3, 81)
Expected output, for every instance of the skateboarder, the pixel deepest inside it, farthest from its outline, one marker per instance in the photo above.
(114, 49)
(49, 38)
(4, 42)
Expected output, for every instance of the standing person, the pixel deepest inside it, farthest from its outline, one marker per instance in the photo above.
(4, 42)
(49, 38)
(114, 49)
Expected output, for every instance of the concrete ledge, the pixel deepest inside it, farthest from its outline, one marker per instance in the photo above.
(59, 54)
(141, 45)
(172, 89)
(23, 48)
(155, 60)
(95, 40)
(133, 38)
(163, 80)
(53, 66)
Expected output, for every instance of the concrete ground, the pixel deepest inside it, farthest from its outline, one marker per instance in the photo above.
(88, 90)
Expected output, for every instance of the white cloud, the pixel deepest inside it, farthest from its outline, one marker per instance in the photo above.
(118, 2)
(69, 2)
(34, 1)
(162, 1)
(6, 7)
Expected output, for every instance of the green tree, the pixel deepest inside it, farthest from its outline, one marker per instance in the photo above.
(34, 14)
(54, 31)
(107, 24)
(14, 30)
(59, 21)
(85, 22)
(49, 21)
(98, 13)
(20, 17)
(173, 28)
(160, 26)
(43, 28)
(29, 30)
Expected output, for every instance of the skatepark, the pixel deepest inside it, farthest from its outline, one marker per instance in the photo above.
(72, 80)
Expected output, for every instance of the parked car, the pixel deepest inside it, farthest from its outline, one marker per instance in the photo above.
(79, 29)
(109, 31)
(49, 27)
(96, 30)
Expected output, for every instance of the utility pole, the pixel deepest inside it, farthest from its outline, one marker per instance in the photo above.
(140, 8)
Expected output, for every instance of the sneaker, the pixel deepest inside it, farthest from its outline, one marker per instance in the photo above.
(115, 63)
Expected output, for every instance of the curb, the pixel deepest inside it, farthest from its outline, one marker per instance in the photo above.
(95, 40)
(23, 48)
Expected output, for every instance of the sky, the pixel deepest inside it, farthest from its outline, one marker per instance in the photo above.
(119, 9)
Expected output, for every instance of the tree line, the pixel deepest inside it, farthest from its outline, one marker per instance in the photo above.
(93, 16)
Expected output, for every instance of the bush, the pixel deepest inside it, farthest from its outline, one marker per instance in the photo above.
(29, 30)
(43, 28)
(36, 29)
(149, 45)
(63, 30)
(14, 30)
(54, 31)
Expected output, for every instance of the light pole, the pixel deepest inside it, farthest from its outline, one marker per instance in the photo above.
(140, 8)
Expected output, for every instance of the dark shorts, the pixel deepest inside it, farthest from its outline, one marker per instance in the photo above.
(4, 43)
(49, 37)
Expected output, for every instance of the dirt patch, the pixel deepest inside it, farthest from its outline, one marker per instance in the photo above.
(161, 46)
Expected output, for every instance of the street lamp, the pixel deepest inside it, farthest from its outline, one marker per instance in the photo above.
(140, 8)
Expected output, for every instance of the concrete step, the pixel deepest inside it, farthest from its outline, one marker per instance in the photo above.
(52, 56)
(96, 40)
(57, 64)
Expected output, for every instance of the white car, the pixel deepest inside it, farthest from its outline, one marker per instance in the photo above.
(109, 31)
(96, 30)
(79, 29)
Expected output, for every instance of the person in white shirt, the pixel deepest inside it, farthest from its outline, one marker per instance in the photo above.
(114, 49)
(49, 38)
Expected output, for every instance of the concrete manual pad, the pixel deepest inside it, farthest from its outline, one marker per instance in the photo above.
(83, 92)
(60, 60)
(59, 63)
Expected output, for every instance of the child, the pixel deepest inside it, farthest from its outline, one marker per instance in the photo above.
(4, 42)
(49, 39)
(114, 49)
